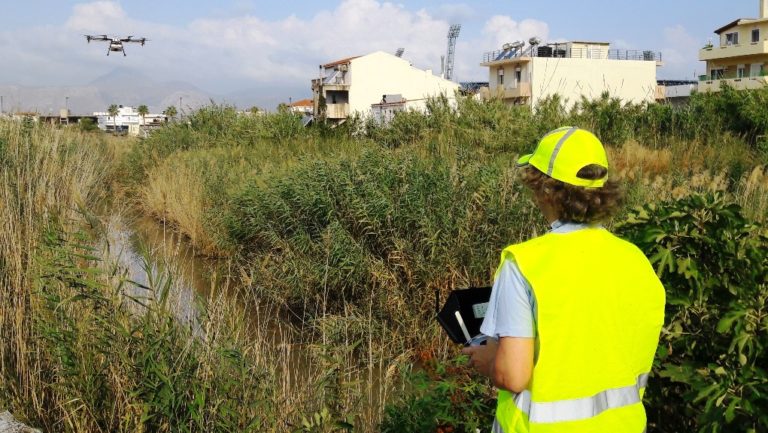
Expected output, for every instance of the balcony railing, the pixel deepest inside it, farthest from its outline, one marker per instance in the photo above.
(337, 111)
(337, 77)
(745, 83)
(572, 53)
(521, 90)
(732, 77)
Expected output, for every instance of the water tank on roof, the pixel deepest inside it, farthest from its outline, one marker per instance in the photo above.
(544, 51)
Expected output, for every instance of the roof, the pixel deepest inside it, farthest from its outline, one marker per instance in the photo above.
(585, 42)
(303, 103)
(339, 62)
(739, 22)
(729, 25)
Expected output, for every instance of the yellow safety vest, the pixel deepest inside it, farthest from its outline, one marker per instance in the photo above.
(600, 308)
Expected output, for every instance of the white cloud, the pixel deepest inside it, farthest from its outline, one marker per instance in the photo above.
(501, 29)
(224, 53)
(680, 54)
(96, 16)
(455, 12)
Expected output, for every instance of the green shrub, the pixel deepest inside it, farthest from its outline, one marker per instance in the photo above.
(386, 225)
(710, 372)
(87, 124)
(441, 397)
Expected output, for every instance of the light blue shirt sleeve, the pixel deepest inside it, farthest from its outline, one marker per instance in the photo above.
(512, 307)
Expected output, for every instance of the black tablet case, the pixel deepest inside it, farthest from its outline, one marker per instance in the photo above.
(463, 300)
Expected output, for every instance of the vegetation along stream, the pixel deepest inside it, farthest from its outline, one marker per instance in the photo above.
(234, 272)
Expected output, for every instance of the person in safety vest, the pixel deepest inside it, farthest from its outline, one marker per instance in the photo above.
(575, 313)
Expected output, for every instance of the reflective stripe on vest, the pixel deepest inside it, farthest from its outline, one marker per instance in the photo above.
(580, 408)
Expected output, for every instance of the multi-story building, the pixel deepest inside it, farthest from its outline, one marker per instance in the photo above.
(521, 74)
(360, 85)
(739, 56)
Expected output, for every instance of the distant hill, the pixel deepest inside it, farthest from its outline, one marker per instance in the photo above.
(122, 86)
(125, 86)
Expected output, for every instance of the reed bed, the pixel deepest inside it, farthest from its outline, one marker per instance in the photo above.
(337, 241)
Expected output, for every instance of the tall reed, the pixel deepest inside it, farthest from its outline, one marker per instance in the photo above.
(47, 175)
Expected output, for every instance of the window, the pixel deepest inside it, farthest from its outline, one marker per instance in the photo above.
(740, 71)
(716, 74)
(500, 81)
(732, 38)
(756, 35)
(755, 69)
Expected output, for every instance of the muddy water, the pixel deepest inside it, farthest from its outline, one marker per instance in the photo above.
(153, 256)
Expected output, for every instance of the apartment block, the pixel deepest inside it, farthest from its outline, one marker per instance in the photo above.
(374, 84)
(526, 74)
(739, 56)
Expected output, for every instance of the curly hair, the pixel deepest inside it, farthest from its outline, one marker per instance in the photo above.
(575, 203)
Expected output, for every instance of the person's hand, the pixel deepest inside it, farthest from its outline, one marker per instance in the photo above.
(482, 357)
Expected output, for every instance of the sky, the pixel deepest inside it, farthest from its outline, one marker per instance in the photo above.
(276, 46)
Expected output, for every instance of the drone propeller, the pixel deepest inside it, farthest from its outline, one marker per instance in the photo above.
(141, 41)
(90, 38)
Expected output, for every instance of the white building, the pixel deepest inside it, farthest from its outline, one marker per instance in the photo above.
(526, 75)
(353, 86)
(128, 120)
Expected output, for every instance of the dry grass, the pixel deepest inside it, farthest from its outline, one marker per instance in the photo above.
(174, 192)
(633, 161)
(683, 169)
(752, 193)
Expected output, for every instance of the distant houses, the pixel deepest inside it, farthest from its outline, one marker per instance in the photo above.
(128, 120)
(303, 106)
(377, 84)
(524, 74)
(739, 56)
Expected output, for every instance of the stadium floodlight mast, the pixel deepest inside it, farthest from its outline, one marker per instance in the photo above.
(453, 34)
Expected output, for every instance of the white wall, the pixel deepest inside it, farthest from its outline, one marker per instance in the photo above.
(381, 73)
(630, 80)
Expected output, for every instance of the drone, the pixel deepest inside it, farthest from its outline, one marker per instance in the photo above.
(115, 44)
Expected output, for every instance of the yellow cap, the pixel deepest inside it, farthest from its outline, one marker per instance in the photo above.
(563, 152)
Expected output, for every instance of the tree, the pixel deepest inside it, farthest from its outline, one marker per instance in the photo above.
(283, 108)
(112, 111)
(143, 110)
(170, 112)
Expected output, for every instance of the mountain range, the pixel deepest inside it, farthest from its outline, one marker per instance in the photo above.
(124, 86)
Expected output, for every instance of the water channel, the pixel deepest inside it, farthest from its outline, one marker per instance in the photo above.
(152, 255)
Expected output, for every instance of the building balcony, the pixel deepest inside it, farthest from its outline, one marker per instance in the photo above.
(521, 90)
(738, 50)
(337, 111)
(745, 83)
(336, 86)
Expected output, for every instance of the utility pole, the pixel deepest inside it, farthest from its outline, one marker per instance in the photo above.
(179, 106)
(66, 109)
